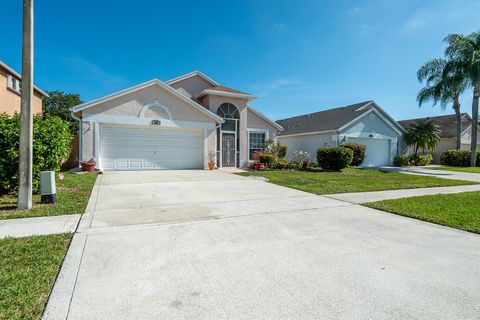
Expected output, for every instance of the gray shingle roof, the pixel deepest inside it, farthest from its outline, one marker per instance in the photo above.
(447, 123)
(331, 119)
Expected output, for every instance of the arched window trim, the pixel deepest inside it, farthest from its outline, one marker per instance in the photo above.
(228, 110)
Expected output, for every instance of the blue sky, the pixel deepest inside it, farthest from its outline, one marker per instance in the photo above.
(297, 56)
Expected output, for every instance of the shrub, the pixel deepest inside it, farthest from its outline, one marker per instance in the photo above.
(51, 144)
(279, 164)
(334, 158)
(420, 159)
(275, 148)
(401, 161)
(266, 158)
(358, 152)
(458, 158)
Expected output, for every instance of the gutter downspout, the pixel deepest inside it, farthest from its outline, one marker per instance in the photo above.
(80, 136)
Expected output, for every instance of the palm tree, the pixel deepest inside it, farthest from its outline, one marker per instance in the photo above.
(464, 51)
(444, 86)
(423, 134)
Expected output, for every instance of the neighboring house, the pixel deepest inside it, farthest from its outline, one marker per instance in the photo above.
(172, 125)
(448, 125)
(363, 123)
(10, 92)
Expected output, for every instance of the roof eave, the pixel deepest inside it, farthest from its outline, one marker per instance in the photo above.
(141, 86)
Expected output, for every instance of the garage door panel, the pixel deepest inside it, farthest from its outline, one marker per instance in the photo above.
(137, 148)
(377, 151)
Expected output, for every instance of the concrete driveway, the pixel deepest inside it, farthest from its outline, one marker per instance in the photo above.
(211, 245)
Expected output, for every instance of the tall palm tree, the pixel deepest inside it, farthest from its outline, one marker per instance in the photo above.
(464, 51)
(443, 85)
(423, 135)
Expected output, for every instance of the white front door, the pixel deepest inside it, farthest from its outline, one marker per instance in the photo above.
(377, 153)
(149, 148)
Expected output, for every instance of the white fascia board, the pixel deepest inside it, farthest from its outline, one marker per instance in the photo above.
(264, 117)
(192, 74)
(249, 97)
(306, 133)
(19, 76)
(141, 86)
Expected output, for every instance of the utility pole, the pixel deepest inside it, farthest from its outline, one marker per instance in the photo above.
(24, 201)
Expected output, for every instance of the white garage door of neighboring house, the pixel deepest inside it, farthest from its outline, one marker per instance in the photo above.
(149, 148)
(377, 152)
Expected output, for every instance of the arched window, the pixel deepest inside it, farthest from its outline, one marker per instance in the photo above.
(231, 115)
(228, 111)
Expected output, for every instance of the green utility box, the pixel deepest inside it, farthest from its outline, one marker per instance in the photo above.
(48, 190)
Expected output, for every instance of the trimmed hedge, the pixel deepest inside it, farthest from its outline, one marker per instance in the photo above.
(266, 158)
(281, 150)
(358, 152)
(420, 159)
(51, 144)
(458, 158)
(334, 158)
(401, 161)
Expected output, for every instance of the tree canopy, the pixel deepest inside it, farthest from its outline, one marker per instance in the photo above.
(58, 103)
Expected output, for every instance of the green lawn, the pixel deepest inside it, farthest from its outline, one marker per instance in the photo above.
(461, 210)
(28, 270)
(72, 197)
(351, 180)
(457, 169)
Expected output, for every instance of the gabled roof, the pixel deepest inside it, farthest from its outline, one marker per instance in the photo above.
(19, 76)
(192, 74)
(332, 119)
(226, 92)
(448, 123)
(153, 82)
(265, 118)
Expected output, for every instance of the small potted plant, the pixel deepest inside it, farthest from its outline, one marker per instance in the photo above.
(211, 160)
(88, 165)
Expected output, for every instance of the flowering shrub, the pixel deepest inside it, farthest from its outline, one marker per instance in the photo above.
(300, 157)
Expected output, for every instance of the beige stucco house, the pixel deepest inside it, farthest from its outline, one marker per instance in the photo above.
(10, 92)
(448, 127)
(174, 124)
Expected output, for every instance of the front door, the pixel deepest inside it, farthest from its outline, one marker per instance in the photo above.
(228, 149)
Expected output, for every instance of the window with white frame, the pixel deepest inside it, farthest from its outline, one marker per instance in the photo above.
(14, 84)
(256, 141)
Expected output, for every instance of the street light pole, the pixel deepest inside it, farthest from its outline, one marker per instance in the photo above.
(24, 201)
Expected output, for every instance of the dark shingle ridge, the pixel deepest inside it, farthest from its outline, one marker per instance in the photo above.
(325, 120)
(447, 123)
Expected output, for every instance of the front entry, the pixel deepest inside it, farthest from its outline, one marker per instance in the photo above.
(228, 149)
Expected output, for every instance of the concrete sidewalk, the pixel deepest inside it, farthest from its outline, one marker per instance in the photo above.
(364, 197)
(27, 227)
(424, 171)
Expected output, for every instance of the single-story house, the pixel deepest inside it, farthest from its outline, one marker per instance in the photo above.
(176, 124)
(448, 126)
(363, 123)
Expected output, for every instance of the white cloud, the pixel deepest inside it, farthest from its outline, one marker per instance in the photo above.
(91, 72)
(419, 20)
(279, 27)
(273, 85)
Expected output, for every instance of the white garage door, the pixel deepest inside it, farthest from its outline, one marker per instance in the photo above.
(149, 148)
(377, 153)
